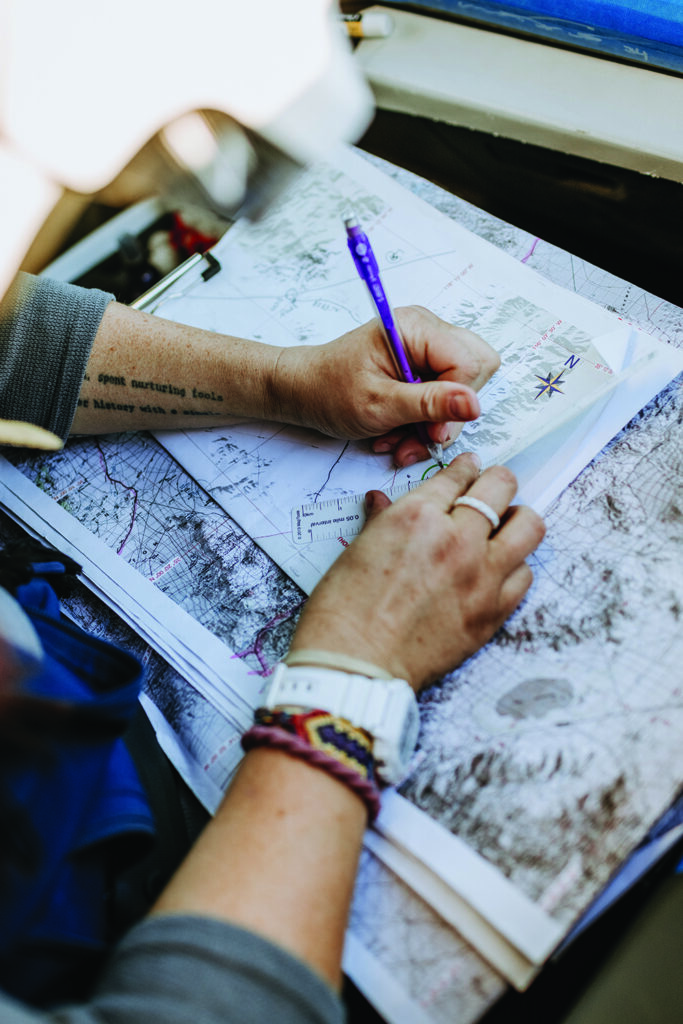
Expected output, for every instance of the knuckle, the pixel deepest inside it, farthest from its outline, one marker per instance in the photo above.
(410, 315)
(533, 524)
(374, 408)
(429, 401)
(415, 514)
(527, 576)
(483, 359)
(504, 476)
(511, 600)
(433, 530)
(490, 360)
(463, 469)
(460, 558)
(469, 368)
(539, 528)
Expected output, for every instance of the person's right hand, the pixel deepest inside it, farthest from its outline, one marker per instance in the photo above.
(426, 584)
(350, 388)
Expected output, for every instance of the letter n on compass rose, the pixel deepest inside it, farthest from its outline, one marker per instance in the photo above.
(549, 384)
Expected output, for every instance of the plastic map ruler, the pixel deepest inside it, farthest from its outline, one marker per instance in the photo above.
(343, 516)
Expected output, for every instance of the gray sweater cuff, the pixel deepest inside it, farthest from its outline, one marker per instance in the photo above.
(177, 969)
(46, 333)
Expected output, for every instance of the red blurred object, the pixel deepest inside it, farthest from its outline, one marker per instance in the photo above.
(188, 240)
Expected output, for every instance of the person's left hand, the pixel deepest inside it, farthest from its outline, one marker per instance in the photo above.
(349, 387)
(428, 581)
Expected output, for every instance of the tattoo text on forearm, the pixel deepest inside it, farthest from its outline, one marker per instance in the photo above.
(171, 390)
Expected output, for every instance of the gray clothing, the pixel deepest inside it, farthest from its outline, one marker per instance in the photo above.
(46, 332)
(193, 970)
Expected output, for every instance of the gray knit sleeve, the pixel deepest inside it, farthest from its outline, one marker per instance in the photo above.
(46, 332)
(213, 972)
(175, 970)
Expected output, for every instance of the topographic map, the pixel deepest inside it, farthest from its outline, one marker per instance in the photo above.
(554, 749)
(135, 499)
(416, 960)
(291, 280)
(569, 720)
(570, 716)
(551, 752)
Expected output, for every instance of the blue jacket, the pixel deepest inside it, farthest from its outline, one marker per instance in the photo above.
(73, 807)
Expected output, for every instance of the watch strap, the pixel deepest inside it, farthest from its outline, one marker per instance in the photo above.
(336, 660)
(386, 709)
(362, 701)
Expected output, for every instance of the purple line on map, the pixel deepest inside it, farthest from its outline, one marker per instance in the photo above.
(257, 648)
(531, 250)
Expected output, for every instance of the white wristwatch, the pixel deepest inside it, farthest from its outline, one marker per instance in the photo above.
(385, 708)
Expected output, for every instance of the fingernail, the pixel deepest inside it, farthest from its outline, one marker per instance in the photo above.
(380, 447)
(460, 407)
(475, 458)
(409, 460)
(443, 433)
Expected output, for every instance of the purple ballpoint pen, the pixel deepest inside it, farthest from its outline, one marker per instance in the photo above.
(366, 265)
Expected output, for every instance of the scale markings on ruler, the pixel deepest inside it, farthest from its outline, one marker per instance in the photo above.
(337, 517)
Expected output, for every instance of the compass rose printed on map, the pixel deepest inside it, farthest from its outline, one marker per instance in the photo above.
(549, 385)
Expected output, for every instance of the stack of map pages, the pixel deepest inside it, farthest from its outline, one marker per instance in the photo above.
(546, 758)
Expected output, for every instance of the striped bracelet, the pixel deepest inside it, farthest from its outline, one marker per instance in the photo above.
(323, 740)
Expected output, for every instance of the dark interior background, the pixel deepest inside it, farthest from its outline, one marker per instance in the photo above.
(626, 222)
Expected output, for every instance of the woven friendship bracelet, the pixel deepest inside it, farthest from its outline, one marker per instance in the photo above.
(320, 739)
(325, 732)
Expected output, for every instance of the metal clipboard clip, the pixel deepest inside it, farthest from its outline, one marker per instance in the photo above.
(149, 299)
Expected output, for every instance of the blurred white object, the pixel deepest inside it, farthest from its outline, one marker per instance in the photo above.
(85, 86)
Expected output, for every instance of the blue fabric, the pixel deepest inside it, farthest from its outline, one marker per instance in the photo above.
(80, 809)
(645, 31)
(660, 20)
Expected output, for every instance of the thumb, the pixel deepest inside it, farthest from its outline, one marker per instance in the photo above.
(438, 401)
(375, 502)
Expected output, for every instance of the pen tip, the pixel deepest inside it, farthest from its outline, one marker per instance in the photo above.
(436, 452)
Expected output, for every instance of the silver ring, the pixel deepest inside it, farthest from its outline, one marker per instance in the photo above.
(478, 506)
